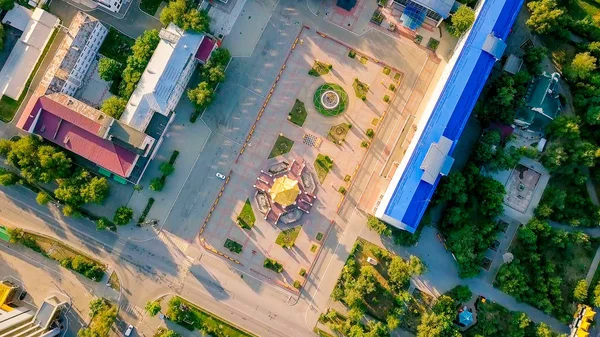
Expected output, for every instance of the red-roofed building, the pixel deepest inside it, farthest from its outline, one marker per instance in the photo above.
(206, 47)
(85, 131)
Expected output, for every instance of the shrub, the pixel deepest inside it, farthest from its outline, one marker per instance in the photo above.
(43, 198)
(302, 272)
(319, 236)
(104, 223)
(387, 70)
(152, 307)
(351, 54)
(233, 246)
(84, 266)
(386, 98)
(297, 284)
(17, 235)
(461, 21)
(167, 168)
(157, 184)
(142, 217)
(364, 144)
(273, 265)
(392, 87)
(370, 133)
(342, 190)
(123, 215)
(313, 248)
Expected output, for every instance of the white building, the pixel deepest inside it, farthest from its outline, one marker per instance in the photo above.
(163, 82)
(37, 27)
(76, 54)
(111, 5)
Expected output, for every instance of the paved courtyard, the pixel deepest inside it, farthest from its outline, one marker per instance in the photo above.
(520, 187)
(296, 83)
(94, 90)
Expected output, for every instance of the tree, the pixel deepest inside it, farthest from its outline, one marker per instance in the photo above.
(566, 128)
(462, 293)
(1, 31)
(454, 188)
(511, 280)
(103, 223)
(167, 168)
(163, 332)
(123, 215)
(157, 184)
(38, 162)
(174, 12)
(71, 211)
(7, 178)
(461, 21)
(399, 272)
(114, 106)
(108, 68)
(378, 226)
(195, 20)
(216, 74)
(491, 193)
(543, 330)
(219, 56)
(96, 190)
(533, 58)
(545, 17)
(7, 5)
(583, 65)
(104, 316)
(596, 299)
(43, 198)
(592, 116)
(152, 307)
(141, 52)
(183, 14)
(201, 96)
(486, 147)
(581, 291)
(435, 325)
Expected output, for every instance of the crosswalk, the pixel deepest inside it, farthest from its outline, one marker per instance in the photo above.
(178, 248)
(118, 247)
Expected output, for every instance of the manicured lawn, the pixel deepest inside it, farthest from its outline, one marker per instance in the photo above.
(287, 237)
(319, 68)
(8, 108)
(337, 133)
(360, 89)
(298, 114)
(215, 323)
(116, 46)
(246, 219)
(282, 145)
(233, 246)
(579, 9)
(323, 164)
(150, 6)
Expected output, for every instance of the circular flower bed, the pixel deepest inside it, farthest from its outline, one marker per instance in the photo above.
(330, 100)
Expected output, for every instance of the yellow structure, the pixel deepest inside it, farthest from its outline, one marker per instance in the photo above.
(583, 318)
(7, 291)
(284, 191)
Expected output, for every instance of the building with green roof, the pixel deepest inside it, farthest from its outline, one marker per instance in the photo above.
(542, 104)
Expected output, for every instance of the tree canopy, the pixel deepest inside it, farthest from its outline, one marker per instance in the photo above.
(114, 106)
(184, 14)
(461, 21)
(123, 215)
(546, 17)
(141, 52)
(108, 68)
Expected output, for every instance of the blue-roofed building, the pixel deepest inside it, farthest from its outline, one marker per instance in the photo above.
(430, 156)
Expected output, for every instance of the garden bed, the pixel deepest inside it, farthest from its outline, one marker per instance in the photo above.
(273, 265)
(323, 164)
(287, 237)
(246, 219)
(298, 113)
(233, 246)
(327, 89)
(319, 68)
(361, 89)
(282, 145)
(337, 133)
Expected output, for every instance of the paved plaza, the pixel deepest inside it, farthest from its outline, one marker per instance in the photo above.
(296, 83)
(520, 187)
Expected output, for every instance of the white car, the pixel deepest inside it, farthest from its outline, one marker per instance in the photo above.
(220, 176)
(129, 330)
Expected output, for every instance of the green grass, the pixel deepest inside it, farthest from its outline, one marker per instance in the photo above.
(337, 133)
(150, 6)
(114, 281)
(323, 164)
(361, 89)
(273, 265)
(363, 60)
(246, 219)
(343, 103)
(319, 236)
(313, 248)
(116, 46)
(215, 323)
(433, 44)
(351, 54)
(298, 113)
(319, 68)
(287, 238)
(282, 145)
(8, 108)
(233, 246)
(386, 71)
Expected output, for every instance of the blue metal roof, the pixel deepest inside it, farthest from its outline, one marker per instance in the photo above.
(411, 194)
(442, 7)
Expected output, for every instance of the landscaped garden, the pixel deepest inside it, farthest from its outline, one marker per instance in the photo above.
(319, 68)
(298, 113)
(337, 133)
(193, 317)
(116, 46)
(287, 237)
(361, 89)
(246, 218)
(323, 164)
(150, 6)
(282, 145)
(330, 100)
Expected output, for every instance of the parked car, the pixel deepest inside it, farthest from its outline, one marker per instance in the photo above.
(220, 176)
(129, 330)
